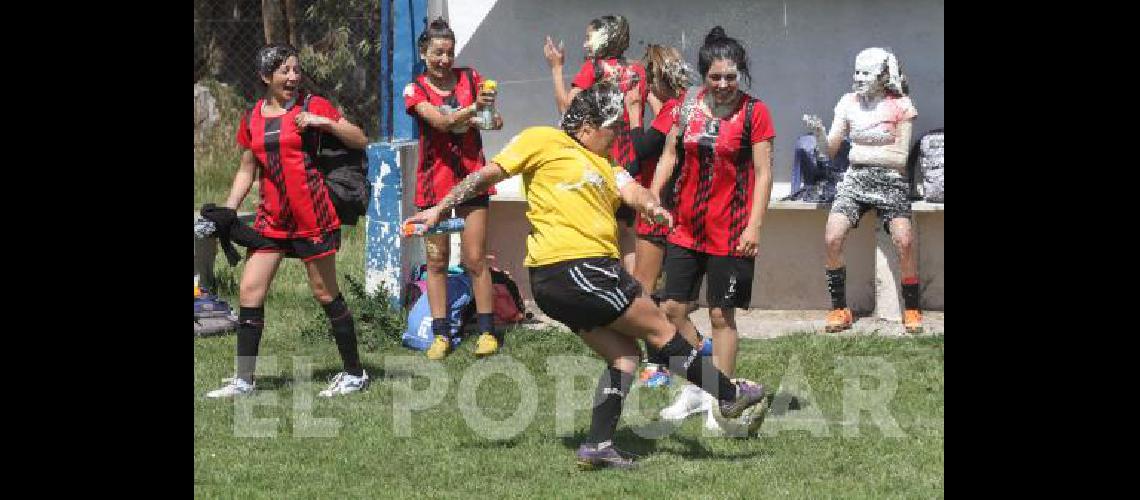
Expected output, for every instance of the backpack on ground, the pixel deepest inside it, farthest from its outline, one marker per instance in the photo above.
(418, 335)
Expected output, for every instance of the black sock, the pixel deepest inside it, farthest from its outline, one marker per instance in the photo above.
(441, 327)
(345, 334)
(608, 400)
(651, 352)
(837, 286)
(251, 321)
(683, 359)
(486, 323)
(911, 294)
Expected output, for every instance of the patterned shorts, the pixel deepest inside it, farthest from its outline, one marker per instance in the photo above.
(867, 187)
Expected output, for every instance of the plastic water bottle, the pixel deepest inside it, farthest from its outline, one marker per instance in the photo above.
(452, 225)
(706, 347)
(486, 114)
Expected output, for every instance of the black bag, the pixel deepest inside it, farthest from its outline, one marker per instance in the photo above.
(345, 171)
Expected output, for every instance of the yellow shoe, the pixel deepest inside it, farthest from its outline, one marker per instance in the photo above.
(912, 320)
(439, 348)
(486, 345)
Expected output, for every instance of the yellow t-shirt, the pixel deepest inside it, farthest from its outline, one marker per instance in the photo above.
(572, 195)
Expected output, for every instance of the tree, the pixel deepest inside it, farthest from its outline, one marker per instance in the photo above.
(279, 19)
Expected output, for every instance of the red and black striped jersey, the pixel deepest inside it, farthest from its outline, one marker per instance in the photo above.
(445, 157)
(295, 201)
(714, 191)
(661, 123)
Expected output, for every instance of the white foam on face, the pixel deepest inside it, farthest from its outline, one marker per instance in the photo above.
(611, 105)
(869, 65)
(598, 39)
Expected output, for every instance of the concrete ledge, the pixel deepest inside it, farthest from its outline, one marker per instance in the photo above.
(789, 272)
(916, 206)
(767, 324)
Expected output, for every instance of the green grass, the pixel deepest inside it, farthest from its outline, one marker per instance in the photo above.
(443, 456)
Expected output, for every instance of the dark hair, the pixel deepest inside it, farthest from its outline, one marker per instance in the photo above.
(272, 56)
(617, 39)
(437, 28)
(593, 106)
(720, 46)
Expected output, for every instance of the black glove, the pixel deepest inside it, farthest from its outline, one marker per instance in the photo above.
(224, 218)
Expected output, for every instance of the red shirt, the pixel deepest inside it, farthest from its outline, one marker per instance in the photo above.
(445, 157)
(661, 123)
(295, 201)
(623, 74)
(715, 189)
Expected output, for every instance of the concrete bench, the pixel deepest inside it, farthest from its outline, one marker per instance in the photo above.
(887, 276)
(789, 269)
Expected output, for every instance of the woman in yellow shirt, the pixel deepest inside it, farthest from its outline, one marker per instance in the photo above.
(573, 190)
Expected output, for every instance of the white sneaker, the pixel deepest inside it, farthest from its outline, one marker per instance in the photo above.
(234, 387)
(344, 383)
(690, 400)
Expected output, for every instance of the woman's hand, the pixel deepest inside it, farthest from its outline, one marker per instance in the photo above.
(813, 123)
(555, 56)
(305, 119)
(486, 98)
(429, 217)
(749, 242)
(633, 105)
(657, 214)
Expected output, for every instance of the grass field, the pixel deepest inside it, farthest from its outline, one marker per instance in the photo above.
(441, 455)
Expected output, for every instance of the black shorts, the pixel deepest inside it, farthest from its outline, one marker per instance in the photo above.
(659, 241)
(306, 249)
(626, 214)
(730, 278)
(583, 294)
(478, 201)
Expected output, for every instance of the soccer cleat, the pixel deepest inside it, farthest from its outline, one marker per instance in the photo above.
(838, 320)
(912, 320)
(748, 393)
(602, 455)
(486, 345)
(439, 348)
(234, 387)
(345, 383)
(689, 401)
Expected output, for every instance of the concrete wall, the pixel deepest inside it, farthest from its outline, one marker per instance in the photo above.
(801, 52)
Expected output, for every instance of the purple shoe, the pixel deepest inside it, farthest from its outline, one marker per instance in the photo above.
(591, 457)
(748, 393)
